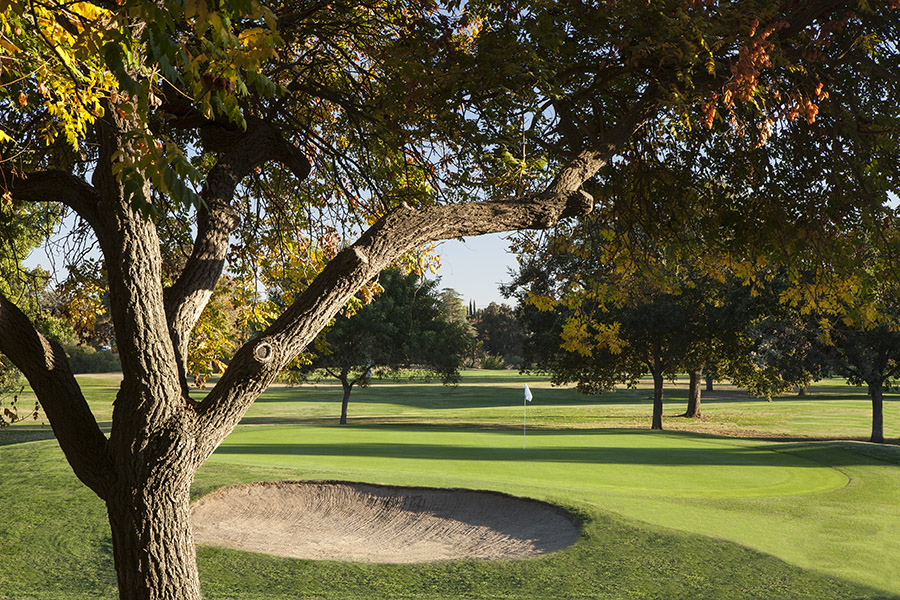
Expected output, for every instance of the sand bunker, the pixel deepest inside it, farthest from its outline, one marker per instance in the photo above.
(371, 523)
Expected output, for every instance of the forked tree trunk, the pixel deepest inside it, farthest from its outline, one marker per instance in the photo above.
(875, 393)
(657, 399)
(693, 407)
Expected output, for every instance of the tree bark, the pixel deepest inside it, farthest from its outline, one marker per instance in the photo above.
(348, 387)
(153, 548)
(876, 389)
(709, 382)
(693, 407)
(657, 395)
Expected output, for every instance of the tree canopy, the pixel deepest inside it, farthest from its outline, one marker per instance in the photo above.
(403, 331)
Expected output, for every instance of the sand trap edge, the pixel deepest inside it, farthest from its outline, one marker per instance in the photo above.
(366, 522)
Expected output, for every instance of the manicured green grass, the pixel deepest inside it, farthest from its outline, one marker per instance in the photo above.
(676, 514)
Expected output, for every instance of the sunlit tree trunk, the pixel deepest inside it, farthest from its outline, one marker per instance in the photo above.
(693, 407)
(153, 547)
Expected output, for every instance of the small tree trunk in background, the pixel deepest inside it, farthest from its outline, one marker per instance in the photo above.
(657, 398)
(693, 407)
(345, 383)
(709, 382)
(875, 392)
(803, 391)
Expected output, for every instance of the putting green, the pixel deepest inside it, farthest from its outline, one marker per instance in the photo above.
(645, 463)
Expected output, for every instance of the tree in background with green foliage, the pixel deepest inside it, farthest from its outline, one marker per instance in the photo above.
(629, 327)
(404, 332)
(500, 333)
(869, 354)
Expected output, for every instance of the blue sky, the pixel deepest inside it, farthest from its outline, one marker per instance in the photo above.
(476, 266)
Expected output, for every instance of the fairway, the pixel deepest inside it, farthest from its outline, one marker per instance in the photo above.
(664, 515)
(579, 463)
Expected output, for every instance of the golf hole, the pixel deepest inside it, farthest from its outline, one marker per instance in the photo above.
(383, 524)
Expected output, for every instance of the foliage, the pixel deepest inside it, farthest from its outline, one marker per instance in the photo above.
(69, 64)
(868, 356)
(498, 328)
(87, 359)
(402, 332)
(452, 306)
(493, 362)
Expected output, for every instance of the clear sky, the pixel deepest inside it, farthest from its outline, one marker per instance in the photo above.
(476, 266)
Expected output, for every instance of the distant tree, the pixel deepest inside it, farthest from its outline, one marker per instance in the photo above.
(765, 344)
(598, 346)
(501, 333)
(402, 328)
(452, 305)
(869, 356)
(864, 347)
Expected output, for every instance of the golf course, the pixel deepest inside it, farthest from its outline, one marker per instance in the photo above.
(755, 500)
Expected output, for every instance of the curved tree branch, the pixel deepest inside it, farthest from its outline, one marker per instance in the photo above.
(186, 299)
(258, 362)
(47, 369)
(55, 185)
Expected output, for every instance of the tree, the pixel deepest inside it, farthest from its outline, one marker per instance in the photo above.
(403, 328)
(869, 356)
(500, 332)
(452, 305)
(598, 346)
(160, 124)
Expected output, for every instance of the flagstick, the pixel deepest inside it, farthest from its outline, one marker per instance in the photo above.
(524, 417)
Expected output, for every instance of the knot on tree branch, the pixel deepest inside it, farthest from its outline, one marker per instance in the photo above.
(578, 204)
(263, 352)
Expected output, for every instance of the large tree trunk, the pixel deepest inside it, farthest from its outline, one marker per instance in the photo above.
(149, 514)
(153, 547)
(657, 398)
(875, 393)
(693, 407)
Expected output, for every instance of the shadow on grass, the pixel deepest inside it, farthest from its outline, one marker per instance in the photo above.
(811, 456)
(25, 433)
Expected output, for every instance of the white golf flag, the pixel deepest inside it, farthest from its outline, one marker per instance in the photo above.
(528, 395)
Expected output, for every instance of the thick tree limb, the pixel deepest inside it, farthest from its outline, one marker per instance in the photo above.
(256, 364)
(45, 366)
(186, 299)
(55, 186)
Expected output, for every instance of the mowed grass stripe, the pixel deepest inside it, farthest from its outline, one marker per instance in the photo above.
(608, 461)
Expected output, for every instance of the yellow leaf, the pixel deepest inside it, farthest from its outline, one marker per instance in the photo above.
(9, 46)
(88, 10)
